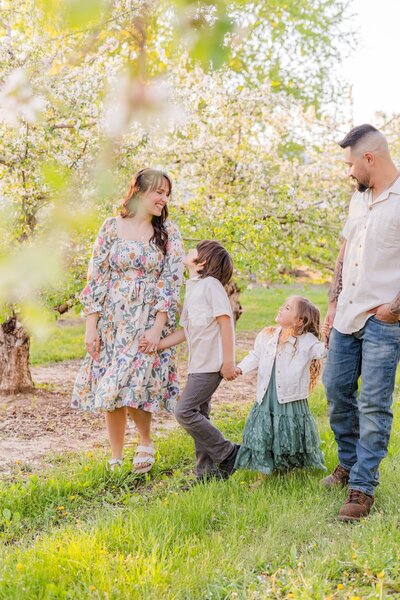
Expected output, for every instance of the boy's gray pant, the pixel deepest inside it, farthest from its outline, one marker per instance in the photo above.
(192, 411)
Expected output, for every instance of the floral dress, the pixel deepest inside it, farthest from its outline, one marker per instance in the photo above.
(129, 282)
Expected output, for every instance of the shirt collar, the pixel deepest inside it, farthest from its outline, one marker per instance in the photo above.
(393, 189)
(192, 279)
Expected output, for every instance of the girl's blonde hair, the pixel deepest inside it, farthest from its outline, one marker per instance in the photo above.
(310, 318)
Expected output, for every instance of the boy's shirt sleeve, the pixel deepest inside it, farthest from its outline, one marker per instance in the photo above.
(218, 299)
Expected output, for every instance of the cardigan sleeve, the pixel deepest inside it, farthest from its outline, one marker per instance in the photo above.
(318, 350)
(251, 361)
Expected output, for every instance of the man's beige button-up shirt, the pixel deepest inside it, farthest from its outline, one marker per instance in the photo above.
(371, 267)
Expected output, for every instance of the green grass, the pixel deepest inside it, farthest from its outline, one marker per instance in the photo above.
(260, 306)
(64, 343)
(80, 532)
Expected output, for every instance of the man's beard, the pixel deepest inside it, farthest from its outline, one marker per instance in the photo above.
(361, 187)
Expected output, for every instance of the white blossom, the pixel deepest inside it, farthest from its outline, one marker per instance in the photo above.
(17, 99)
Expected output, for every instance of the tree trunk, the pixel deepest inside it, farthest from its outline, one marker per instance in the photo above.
(15, 375)
(233, 292)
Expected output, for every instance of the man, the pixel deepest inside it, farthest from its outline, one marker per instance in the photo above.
(362, 325)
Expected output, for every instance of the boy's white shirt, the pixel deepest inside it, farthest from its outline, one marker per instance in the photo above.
(292, 368)
(205, 300)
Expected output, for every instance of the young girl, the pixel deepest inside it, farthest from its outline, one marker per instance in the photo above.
(280, 431)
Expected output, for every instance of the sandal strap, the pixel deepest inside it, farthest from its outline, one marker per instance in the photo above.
(148, 449)
(144, 460)
(115, 461)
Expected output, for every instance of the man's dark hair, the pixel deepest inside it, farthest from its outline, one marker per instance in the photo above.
(218, 261)
(356, 134)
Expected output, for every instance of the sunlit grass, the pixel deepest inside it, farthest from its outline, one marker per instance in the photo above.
(81, 532)
(78, 531)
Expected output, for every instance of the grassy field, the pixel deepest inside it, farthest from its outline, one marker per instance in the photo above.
(78, 532)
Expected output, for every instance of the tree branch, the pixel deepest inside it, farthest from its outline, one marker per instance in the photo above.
(65, 306)
(78, 158)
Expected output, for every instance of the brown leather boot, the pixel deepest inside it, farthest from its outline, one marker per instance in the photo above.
(357, 505)
(338, 478)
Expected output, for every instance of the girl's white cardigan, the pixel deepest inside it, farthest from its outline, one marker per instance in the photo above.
(292, 369)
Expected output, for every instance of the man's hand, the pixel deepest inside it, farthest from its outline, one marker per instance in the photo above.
(228, 371)
(328, 322)
(383, 313)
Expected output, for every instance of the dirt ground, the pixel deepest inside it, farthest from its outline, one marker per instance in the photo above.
(36, 427)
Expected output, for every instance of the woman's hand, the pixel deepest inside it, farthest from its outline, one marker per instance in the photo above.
(143, 345)
(92, 342)
(150, 340)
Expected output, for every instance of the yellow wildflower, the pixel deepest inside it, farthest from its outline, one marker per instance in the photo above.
(340, 586)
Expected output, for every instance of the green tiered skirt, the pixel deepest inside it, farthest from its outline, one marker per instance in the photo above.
(279, 437)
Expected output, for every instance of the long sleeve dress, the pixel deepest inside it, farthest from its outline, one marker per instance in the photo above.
(129, 282)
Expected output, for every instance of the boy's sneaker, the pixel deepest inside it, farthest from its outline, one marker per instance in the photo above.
(338, 478)
(227, 466)
(207, 477)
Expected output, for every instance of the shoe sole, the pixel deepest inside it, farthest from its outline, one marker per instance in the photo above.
(348, 519)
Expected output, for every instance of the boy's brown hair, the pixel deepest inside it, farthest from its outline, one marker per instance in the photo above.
(218, 262)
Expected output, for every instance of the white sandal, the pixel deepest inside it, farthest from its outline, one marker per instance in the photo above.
(148, 459)
(114, 463)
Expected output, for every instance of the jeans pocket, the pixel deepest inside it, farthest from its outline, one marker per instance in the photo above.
(386, 323)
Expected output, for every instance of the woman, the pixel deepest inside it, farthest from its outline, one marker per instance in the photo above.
(133, 286)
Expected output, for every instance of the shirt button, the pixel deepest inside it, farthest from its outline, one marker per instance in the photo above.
(356, 265)
(353, 284)
(350, 301)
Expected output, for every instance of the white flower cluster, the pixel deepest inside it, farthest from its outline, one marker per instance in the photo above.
(17, 99)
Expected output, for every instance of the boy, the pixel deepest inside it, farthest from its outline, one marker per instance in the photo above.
(208, 327)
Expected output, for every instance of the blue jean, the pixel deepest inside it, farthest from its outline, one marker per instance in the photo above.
(362, 422)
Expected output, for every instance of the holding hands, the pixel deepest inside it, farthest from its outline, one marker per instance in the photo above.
(149, 342)
(229, 372)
